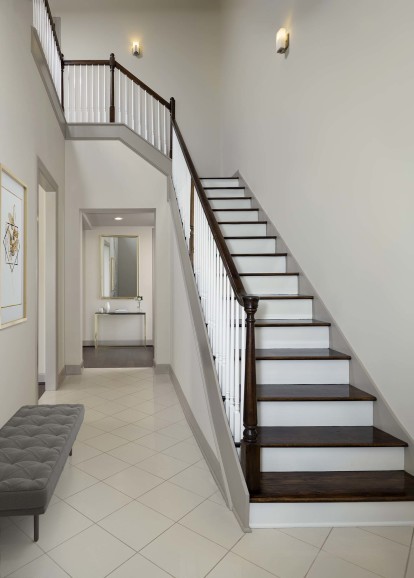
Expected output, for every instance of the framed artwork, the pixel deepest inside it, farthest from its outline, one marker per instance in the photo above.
(12, 249)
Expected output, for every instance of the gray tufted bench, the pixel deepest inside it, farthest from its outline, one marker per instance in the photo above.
(34, 446)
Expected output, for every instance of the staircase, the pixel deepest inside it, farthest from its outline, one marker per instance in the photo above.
(321, 459)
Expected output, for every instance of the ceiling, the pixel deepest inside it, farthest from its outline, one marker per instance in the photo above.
(59, 6)
(130, 218)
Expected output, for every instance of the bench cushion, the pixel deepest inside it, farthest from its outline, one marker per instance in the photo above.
(34, 446)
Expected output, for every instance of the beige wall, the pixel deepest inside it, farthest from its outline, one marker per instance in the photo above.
(28, 130)
(108, 175)
(324, 138)
(128, 328)
(180, 56)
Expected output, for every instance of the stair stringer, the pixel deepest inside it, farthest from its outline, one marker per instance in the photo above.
(384, 416)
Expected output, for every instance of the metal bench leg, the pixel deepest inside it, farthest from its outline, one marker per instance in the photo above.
(36, 528)
(71, 452)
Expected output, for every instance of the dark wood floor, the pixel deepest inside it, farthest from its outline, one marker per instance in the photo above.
(118, 356)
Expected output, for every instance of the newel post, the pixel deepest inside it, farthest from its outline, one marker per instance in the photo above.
(172, 112)
(112, 88)
(250, 449)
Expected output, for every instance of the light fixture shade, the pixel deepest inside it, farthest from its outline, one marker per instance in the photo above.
(136, 49)
(282, 41)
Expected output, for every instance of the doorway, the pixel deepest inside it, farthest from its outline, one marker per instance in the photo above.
(47, 287)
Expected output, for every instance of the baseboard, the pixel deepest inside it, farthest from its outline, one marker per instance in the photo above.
(41, 378)
(118, 343)
(203, 444)
(74, 369)
(162, 368)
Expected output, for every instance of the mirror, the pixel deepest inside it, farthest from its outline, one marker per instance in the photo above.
(119, 267)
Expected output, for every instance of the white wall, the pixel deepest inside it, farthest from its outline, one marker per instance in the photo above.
(110, 329)
(108, 175)
(324, 138)
(41, 346)
(28, 130)
(180, 56)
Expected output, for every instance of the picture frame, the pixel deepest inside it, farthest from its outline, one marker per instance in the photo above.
(13, 230)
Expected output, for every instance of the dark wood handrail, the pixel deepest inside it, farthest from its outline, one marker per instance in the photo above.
(233, 274)
(142, 85)
(86, 62)
(53, 25)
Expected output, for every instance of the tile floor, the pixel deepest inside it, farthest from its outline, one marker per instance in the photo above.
(137, 500)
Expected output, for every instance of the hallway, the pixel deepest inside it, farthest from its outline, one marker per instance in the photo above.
(136, 499)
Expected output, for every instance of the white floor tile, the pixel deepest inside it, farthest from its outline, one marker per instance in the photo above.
(87, 432)
(374, 553)
(132, 432)
(183, 553)
(314, 536)
(82, 452)
(136, 525)
(217, 523)
(109, 423)
(153, 423)
(106, 442)
(217, 498)
(42, 567)
(327, 566)
(277, 553)
(185, 451)
(59, 523)
(103, 466)
(73, 480)
(400, 534)
(196, 480)
(139, 567)
(132, 453)
(130, 415)
(92, 554)
(156, 441)
(410, 568)
(162, 466)
(16, 549)
(172, 414)
(177, 431)
(171, 500)
(91, 415)
(98, 501)
(233, 566)
(134, 482)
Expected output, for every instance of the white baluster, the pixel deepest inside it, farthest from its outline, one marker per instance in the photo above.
(145, 116)
(165, 130)
(132, 106)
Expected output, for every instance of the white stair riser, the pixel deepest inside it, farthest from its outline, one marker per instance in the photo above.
(213, 193)
(285, 309)
(260, 264)
(328, 514)
(315, 413)
(244, 230)
(284, 285)
(302, 371)
(220, 182)
(231, 204)
(292, 337)
(331, 459)
(237, 215)
(242, 246)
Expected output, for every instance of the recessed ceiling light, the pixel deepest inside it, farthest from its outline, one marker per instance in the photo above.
(119, 218)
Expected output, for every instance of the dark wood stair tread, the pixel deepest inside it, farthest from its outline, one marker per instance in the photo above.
(300, 354)
(287, 296)
(326, 437)
(258, 254)
(242, 223)
(219, 188)
(250, 237)
(374, 486)
(234, 210)
(269, 274)
(310, 392)
(228, 199)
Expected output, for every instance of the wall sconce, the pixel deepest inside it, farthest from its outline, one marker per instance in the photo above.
(282, 41)
(136, 50)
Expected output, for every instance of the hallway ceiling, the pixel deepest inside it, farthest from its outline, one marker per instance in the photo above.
(130, 218)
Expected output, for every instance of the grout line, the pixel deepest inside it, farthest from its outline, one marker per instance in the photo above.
(410, 553)
(384, 537)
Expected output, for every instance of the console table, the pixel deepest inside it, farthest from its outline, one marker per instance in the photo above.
(119, 314)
